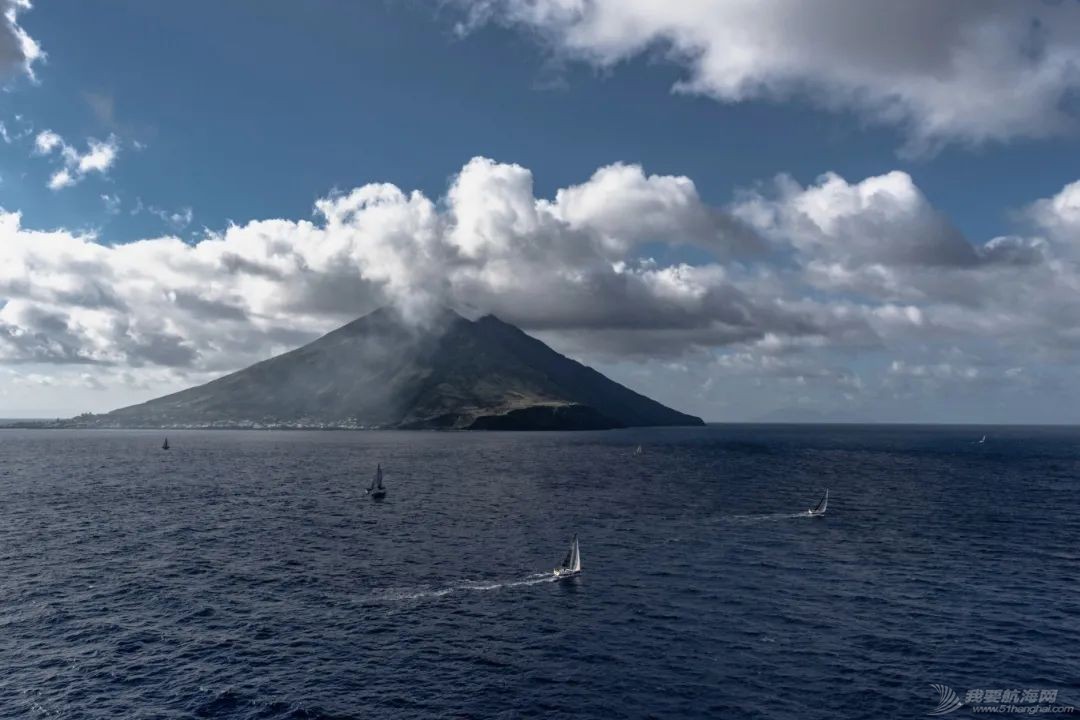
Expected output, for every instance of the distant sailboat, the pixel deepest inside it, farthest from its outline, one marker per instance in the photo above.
(165, 445)
(983, 440)
(377, 491)
(638, 450)
(819, 509)
(571, 564)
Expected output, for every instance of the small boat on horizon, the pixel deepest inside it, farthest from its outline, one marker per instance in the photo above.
(983, 440)
(165, 445)
(819, 509)
(377, 491)
(571, 564)
(638, 450)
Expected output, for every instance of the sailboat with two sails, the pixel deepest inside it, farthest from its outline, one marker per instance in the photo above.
(571, 564)
(377, 491)
(819, 509)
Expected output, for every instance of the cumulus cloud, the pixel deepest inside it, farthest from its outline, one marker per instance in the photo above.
(1059, 216)
(18, 51)
(802, 281)
(882, 239)
(98, 157)
(883, 219)
(937, 69)
(568, 262)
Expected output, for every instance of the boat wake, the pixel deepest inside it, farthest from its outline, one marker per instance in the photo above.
(399, 594)
(771, 517)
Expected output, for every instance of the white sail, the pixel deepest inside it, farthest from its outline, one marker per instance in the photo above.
(572, 561)
(819, 509)
(571, 564)
(378, 476)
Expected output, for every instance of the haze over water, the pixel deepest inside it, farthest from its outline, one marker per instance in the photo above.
(246, 575)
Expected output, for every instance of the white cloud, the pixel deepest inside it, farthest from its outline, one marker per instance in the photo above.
(177, 220)
(1059, 216)
(882, 219)
(238, 294)
(61, 179)
(98, 158)
(805, 280)
(47, 141)
(112, 203)
(18, 51)
(941, 70)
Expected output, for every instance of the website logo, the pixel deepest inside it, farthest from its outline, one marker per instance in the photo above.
(1032, 701)
(947, 700)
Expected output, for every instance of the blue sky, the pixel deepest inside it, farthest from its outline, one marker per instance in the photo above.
(255, 109)
(229, 114)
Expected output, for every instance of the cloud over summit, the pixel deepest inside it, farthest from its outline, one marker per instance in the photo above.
(564, 262)
(797, 281)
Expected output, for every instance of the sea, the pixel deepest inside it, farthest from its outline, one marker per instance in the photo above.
(247, 575)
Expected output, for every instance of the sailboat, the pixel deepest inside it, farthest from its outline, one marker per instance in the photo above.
(571, 564)
(981, 441)
(377, 491)
(819, 509)
(165, 445)
(638, 450)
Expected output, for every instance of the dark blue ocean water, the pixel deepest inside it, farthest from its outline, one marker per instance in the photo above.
(245, 574)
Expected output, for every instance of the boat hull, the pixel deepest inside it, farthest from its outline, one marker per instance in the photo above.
(561, 574)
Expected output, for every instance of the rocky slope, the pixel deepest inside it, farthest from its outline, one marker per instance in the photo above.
(380, 372)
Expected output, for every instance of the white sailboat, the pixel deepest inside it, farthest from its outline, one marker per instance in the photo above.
(819, 509)
(983, 440)
(571, 564)
(638, 450)
(377, 491)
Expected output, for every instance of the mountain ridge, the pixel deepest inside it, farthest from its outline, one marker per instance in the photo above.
(379, 371)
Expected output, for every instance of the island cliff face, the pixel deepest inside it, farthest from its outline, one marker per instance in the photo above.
(381, 372)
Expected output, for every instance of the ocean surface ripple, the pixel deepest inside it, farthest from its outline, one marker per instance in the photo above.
(246, 575)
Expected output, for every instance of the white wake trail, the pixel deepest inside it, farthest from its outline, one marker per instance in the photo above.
(772, 517)
(393, 595)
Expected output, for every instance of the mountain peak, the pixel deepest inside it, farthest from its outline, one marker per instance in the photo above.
(392, 368)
